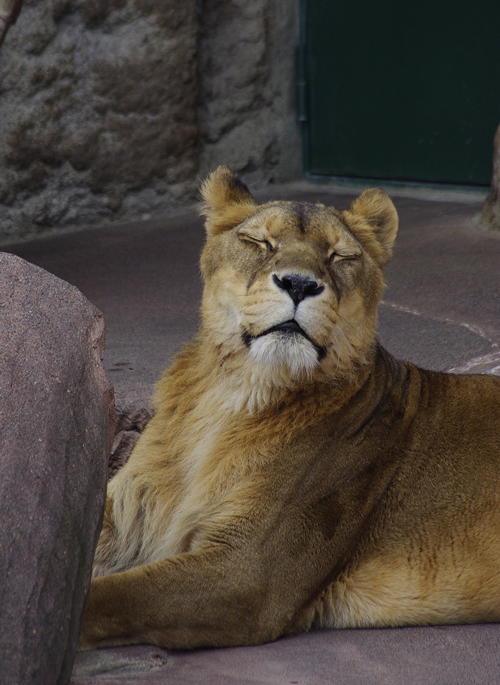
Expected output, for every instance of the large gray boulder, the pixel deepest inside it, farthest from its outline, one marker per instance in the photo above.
(56, 429)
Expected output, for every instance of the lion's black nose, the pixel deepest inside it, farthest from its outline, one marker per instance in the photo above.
(298, 287)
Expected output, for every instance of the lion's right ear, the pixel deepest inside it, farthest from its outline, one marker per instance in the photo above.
(227, 201)
(374, 221)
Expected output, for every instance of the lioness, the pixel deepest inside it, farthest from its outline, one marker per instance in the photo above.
(295, 475)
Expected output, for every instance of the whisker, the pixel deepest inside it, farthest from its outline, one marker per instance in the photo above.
(346, 321)
(345, 336)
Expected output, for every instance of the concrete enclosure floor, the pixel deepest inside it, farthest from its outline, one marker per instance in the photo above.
(441, 309)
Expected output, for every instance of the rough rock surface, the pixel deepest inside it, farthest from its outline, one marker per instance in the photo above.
(114, 108)
(57, 423)
(98, 111)
(9, 11)
(247, 114)
(490, 214)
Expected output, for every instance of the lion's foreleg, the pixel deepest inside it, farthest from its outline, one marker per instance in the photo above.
(192, 600)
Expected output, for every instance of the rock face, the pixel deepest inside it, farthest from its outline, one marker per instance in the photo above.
(98, 111)
(247, 114)
(9, 11)
(113, 108)
(57, 424)
(490, 214)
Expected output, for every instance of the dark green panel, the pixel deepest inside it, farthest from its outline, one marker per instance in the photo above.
(403, 90)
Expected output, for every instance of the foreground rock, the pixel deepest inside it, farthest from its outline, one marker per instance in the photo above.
(57, 423)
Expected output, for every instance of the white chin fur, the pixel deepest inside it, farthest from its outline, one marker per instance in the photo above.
(293, 352)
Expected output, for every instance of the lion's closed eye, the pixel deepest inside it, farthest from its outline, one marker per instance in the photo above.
(262, 242)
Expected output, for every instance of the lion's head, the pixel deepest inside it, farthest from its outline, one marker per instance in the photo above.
(291, 288)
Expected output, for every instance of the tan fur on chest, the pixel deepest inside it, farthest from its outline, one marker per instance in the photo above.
(164, 497)
(165, 503)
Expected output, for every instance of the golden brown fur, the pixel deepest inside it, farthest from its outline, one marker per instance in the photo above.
(295, 475)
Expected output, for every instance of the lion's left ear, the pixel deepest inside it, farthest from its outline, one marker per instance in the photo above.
(373, 219)
(227, 201)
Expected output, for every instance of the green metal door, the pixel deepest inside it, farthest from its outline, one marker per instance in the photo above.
(403, 90)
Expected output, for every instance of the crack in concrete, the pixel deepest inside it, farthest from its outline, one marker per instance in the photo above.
(477, 330)
(471, 327)
(402, 308)
(486, 363)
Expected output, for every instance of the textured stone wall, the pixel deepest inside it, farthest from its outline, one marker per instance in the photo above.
(98, 111)
(9, 11)
(116, 108)
(247, 112)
